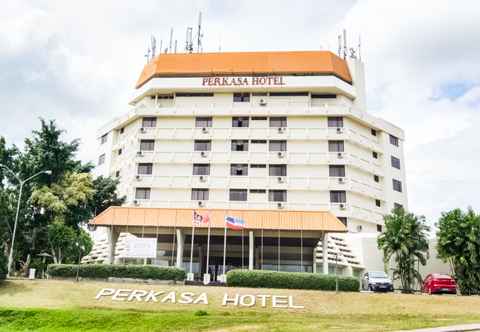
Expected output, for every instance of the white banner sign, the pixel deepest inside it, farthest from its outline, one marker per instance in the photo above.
(141, 248)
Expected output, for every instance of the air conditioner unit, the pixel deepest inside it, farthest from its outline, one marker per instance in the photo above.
(138, 177)
(359, 228)
(203, 154)
(135, 202)
(200, 203)
(139, 153)
(342, 206)
(262, 102)
(280, 205)
(280, 154)
(281, 129)
(142, 130)
(202, 178)
(280, 179)
(204, 130)
(339, 130)
(339, 155)
(341, 180)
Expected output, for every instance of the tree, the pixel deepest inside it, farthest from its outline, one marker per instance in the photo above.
(67, 244)
(3, 264)
(459, 245)
(405, 240)
(105, 195)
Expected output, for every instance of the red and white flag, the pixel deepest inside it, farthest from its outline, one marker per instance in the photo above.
(200, 218)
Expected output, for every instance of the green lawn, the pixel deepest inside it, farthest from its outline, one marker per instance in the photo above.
(68, 306)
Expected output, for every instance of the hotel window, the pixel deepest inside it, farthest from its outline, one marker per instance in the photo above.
(397, 185)
(193, 94)
(203, 121)
(101, 159)
(240, 121)
(145, 169)
(393, 140)
(202, 145)
(278, 121)
(147, 145)
(238, 194)
(395, 162)
(278, 146)
(258, 191)
(278, 170)
(338, 196)
(289, 94)
(142, 193)
(117, 174)
(376, 178)
(378, 203)
(241, 97)
(258, 166)
(259, 118)
(337, 170)
(397, 206)
(200, 194)
(335, 121)
(122, 130)
(324, 96)
(379, 228)
(239, 169)
(343, 220)
(374, 155)
(149, 122)
(259, 141)
(201, 169)
(336, 146)
(103, 139)
(277, 195)
(120, 151)
(239, 145)
(373, 132)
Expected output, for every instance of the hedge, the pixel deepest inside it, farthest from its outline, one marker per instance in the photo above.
(104, 271)
(291, 280)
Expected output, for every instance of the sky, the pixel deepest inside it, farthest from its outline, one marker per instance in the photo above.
(78, 61)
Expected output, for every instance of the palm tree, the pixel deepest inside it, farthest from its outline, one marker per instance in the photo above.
(405, 239)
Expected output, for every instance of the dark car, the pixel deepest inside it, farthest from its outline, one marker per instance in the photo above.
(436, 283)
(377, 281)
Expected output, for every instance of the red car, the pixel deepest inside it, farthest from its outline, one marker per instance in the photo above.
(436, 283)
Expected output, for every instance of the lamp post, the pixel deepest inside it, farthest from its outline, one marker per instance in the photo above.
(22, 183)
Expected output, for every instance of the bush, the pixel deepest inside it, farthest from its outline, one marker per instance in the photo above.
(104, 271)
(3, 265)
(291, 280)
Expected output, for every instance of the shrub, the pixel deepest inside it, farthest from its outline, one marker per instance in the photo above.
(3, 265)
(291, 280)
(104, 271)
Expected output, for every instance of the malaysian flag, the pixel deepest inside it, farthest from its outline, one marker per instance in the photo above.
(234, 223)
(200, 218)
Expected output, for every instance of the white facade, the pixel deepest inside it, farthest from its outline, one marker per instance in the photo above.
(306, 118)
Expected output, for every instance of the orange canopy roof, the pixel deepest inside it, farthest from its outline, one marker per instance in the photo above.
(254, 219)
(245, 63)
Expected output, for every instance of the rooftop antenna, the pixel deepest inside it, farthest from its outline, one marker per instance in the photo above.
(160, 48)
(153, 42)
(189, 40)
(147, 55)
(359, 48)
(345, 44)
(339, 45)
(175, 48)
(171, 40)
(199, 33)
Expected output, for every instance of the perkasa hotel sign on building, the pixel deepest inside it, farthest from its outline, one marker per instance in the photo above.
(243, 81)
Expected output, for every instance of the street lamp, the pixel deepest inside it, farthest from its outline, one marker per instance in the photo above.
(22, 182)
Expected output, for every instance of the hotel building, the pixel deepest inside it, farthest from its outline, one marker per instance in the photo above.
(280, 139)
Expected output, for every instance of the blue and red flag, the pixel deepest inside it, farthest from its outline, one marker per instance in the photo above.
(234, 223)
(200, 218)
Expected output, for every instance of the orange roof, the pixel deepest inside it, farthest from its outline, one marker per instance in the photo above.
(245, 63)
(254, 219)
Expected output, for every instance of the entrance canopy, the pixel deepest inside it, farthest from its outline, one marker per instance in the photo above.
(254, 219)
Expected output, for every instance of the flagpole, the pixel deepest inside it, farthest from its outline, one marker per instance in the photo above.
(224, 248)
(208, 245)
(242, 251)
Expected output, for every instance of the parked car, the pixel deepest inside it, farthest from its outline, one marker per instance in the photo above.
(435, 283)
(377, 281)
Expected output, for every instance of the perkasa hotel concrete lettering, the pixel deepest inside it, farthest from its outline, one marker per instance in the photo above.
(173, 297)
(243, 81)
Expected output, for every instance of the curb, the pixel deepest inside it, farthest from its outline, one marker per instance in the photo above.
(454, 328)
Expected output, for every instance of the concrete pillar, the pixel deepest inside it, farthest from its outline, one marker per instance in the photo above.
(112, 238)
(349, 271)
(325, 252)
(180, 246)
(314, 266)
(251, 248)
